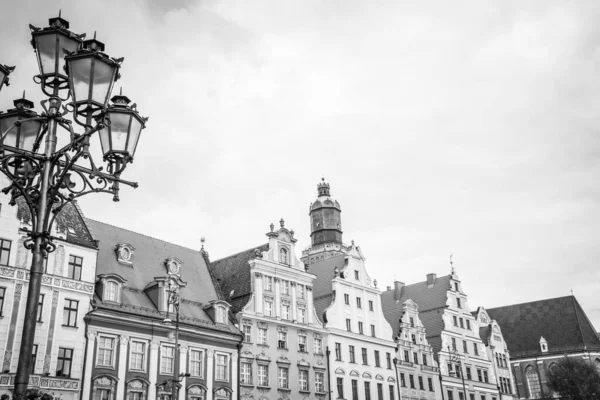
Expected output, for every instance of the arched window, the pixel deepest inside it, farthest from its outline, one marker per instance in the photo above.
(221, 315)
(533, 382)
(137, 389)
(104, 388)
(196, 392)
(283, 256)
(111, 292)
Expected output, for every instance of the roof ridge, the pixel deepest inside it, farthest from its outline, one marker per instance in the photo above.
(528, 302)
(141, 234)
(240, 252)
(578, 321)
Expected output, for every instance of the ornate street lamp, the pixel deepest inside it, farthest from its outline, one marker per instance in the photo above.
(454, 358)
(45, 178)
(173, 300)
(5, 70)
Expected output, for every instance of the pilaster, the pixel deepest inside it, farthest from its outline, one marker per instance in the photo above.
(89, 357)
(153, 369)
(258, 293)
(309, 305)
(122, 367)
(210, 371)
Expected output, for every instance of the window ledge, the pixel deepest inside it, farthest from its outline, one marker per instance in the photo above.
(70, 326)
(105, 366)
(264, 387)
(248, 385)
(284, 389)
(304, 391)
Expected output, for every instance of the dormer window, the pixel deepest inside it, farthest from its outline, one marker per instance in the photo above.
(221, 317)
(109, 287)
(543, 345)
(125, 253)
(111, 291)
(283, 256)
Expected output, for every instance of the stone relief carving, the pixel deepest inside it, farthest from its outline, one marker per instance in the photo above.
(59, 260)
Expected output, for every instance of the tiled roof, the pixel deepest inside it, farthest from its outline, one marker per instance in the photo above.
(233, 275)
(561, 321)
(431, 302)
(70, 216)
(322, 285)
(148, 260)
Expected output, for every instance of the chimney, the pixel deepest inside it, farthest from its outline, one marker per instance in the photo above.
(389, 288)
(431, 280)
(398, 289)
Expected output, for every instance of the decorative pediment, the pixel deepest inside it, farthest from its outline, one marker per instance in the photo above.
(340, 371)
(379, 377)
(263, 357)
(283, 360)
(115, 277)
(223, 391)
(390, 379)
(281, 328)
(410, 305)
(496, 329)
(354, 373)
(197, 389)
(303, 363)
(365, 375)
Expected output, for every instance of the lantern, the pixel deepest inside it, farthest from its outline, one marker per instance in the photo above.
(5, 70)
(121, 133)
(23, 135)
(51, 45)
(91, 77)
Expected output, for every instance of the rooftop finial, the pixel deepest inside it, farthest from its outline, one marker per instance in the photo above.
(202, 240)
(23, 93)
(121, 91)
(282, 222)
(272, 226)
(94, 35)
(323, 188)
(451, 264)
(59, 13)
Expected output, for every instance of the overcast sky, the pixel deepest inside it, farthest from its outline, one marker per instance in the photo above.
(464, 127)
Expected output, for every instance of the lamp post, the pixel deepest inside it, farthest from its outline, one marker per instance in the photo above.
(173, 300)
(45, 178)
(455, 358)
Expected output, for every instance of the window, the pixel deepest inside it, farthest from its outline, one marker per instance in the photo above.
(247, 329)
(283, 376)
(456, 286)
(468, 324)
(268, 283)
(373, 330)
(430, 384)
(471, 396)
(402, 380)
(167, 359)
(111, 291)
(360, 327)
(392, 392)
(358, 302)
(411, 379)
(377, 363)
(302, 315)
(285, 311)
(262, 336)
(352, 358)
(421, 386)
(468, 369)
(137, 355)
(461, 396)
(303, 376)
(103, 394)
(346, 299)
(424, 359)
(301, 292)
(380, 391)
(348, 325)
(222, 367)
(388, 359)
(450, 395)
(406, 356)
(462, 323)
(196, 361)
(75, 267)
(458, 303)
(40, 307)
(319, 385)
(354, 389)
(465, 350)
(281, 340)
(370, 305)
(340, 387)
(412, 322)
(246, 373)
(485, 376)
(364, 357)
(338, 352)
(318, 346)
(63, 365)
(367, 390)
(455, 320)
(285, 287)
(302, 343)
(70, 312)
(454, 344)
(283, 256)
(34, 350)
(263, 375)
(4, 252)
(479, 376)
(415, 358)
(221, 315)
(268, 308)
(413, 338)
(475, 349)
(2, 292)
(356, 275)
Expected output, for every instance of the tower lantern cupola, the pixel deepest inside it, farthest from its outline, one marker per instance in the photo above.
(325, 217)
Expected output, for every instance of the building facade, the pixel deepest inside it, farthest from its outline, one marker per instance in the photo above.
(497, 349)
(134, 342)
(466, 372)
(360, 345)
(539, 334)
(271, 292)
(67, 289)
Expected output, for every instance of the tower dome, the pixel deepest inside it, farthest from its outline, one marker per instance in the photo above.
(325, 217)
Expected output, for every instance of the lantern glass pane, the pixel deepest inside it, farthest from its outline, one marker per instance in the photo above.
(2, 76)
(46, 48)
(68, 44)
(103, 79)
(29, 132)
(11, 138)
(104, 140)
(119, 127)
(80, 72)
(134, 135)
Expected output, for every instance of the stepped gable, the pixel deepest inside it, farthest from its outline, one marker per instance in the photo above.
(431, 301)
(70, 220)
(148, 261)
(561, 321)
(233, 274)
(324, 270)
